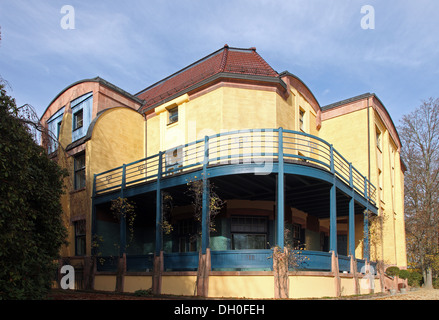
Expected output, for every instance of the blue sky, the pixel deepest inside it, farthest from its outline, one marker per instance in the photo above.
(134, 44)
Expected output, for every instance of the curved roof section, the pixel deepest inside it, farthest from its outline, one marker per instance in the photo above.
(101, 82)
(385, 114)
(227, 60)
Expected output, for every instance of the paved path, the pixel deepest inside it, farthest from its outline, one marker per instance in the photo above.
(420, 294)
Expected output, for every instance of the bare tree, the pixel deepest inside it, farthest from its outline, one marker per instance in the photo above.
(419, 133)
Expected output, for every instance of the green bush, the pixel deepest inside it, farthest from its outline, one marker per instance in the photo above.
(436, 283)
(414, 279)
(392, 271)
(404, 274)
(143, 293)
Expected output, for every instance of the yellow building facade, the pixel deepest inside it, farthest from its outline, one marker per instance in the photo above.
(292, 175)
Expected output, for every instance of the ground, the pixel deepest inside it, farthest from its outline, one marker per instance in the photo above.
(419, 294)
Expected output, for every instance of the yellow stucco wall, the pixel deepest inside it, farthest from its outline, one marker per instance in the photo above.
(133, 283)
(244, 286)
(105, 282)
(115, 142)
(347, 129)
(347, 286)
(311, 287)
(226, 109)
(179, 285)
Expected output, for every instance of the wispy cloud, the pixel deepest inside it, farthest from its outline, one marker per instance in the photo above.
(136, 43)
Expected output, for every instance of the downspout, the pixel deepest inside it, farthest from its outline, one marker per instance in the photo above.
(146, 136)
(368, 139)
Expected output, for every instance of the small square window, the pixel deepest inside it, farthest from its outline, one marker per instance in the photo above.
(173, 115)
(77, 120)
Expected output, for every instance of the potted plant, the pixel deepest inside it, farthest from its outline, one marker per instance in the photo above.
(393, 272)
(404, 274)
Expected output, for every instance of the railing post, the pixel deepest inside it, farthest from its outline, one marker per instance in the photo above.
(331, 153)
(366, 194)
(351, 177)
(280, 193)
(205, 200)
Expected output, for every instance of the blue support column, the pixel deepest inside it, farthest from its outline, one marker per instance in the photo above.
(366, 254)
(351, 215)
(280, 194)
(158, 214)
(333, 219)
(351, 227)
(333, 208)
(123, 227)
(205, 201)
(93, 217)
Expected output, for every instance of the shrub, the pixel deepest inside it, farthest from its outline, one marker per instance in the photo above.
(414, 279)
(143, 293)
(436, 283)
(404, 274)
(392, 271)
(31, 225)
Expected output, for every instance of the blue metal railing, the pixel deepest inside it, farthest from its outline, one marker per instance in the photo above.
(344, 263)
(242, 259)
(313, 260)
(107, 263)
(180, 261)
(140, 263)
(235, 260)
(256, 146)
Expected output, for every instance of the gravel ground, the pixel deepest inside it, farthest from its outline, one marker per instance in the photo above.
(420, 294)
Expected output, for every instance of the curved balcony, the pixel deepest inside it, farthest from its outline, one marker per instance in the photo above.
(256, 151)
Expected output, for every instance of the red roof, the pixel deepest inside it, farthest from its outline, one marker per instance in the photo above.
(228, 60)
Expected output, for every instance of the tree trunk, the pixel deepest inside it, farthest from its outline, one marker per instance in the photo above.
(428, 278)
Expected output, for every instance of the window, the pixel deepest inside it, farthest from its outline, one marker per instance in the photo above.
(58, 129)
(79, 237)
(187, 235)
(249, 233)
(79, 168)
(378, 138)
(173, 115)
(301, 120)
(82, 115)
(78, 120)
(54, 130)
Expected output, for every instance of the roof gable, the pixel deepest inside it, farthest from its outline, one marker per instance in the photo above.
(225, 60)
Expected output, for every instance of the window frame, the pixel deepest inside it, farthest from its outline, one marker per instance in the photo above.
(77, 170)
(75, 119)
(172, 115)
(302, 114)
(80, 237)
(245, 226)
